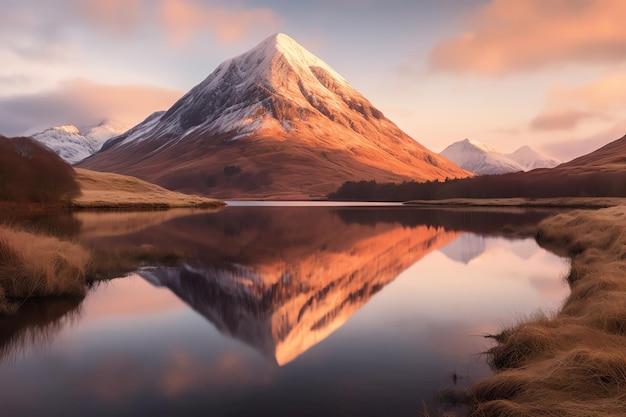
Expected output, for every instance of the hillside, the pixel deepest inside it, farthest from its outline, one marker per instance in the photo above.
(32, 173)
(601, 173)
(275, 122)
(107, 190)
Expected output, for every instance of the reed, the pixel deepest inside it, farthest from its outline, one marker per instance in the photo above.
(34, 265)
(574, 363)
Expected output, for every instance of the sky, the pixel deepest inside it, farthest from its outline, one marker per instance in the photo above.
(547, 73)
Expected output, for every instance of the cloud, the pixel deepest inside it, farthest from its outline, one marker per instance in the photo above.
(183, 18)
(116, 17)
(569, 106)
(605, 92)
(508, 36)
(81, 102)
(560, 119)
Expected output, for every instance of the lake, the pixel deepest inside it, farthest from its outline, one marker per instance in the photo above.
(278, 310)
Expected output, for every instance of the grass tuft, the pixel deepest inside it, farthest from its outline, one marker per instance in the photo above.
(33, 265)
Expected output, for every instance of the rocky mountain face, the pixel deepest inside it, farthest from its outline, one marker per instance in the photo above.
(274, 122)
(74, 144)
(484, 160)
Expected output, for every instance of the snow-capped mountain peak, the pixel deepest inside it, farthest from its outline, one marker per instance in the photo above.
(479, 158)
(71, 129)
(276, 111)
(530, 158)
(74, 144)
(485, 160)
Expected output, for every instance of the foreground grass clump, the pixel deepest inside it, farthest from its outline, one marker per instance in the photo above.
(37, 266)
(572, 364)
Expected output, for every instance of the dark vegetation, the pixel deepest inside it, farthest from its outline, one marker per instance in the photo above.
(543, 183)
(30, 173)
(233, 176)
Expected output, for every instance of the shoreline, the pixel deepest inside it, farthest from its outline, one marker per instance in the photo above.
(573, 362)
(557, 202)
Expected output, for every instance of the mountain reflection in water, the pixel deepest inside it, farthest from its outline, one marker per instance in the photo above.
(283, 279)
(382, 330)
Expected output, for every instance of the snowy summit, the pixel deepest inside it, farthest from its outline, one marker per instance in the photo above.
(73, 144)
(484, 160)
(288, 122)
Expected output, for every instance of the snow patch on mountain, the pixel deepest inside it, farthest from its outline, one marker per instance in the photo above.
(485, 160)
(74, 144)
(479, 158)
(240, 96)
(530, 158)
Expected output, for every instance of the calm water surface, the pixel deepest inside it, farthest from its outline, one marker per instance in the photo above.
(278, 311)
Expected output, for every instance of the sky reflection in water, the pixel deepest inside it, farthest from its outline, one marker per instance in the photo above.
(280, 311)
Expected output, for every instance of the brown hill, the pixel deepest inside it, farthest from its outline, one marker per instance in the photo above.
(601, 173)
(30, 172)
(274, 122)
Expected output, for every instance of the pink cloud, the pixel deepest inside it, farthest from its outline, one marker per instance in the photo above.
(560, 119)
(507, 36)
(117, 17)
(184, 18)
(605, 92)
(569, 106)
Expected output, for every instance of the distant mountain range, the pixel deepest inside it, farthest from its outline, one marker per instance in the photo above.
(484, 160)
(274, 122)
(601, 173)
(74, 144)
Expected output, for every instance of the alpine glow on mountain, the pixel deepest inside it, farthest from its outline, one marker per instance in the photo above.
(276, 121)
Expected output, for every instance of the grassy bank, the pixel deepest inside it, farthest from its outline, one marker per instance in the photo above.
(36, 266)
(102, 190)
(574, 363)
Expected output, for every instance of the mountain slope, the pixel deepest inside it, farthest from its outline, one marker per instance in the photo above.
(479, 158)
(530, 158)
(609, 158)
(275, 121)
(74, 145)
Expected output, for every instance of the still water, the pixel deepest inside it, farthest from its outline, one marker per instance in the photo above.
(278, 311)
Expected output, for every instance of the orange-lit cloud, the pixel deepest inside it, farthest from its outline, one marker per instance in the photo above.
(184, 17)
(82, 102)
(603, 93)
(566, 119)
(118, 17)
(569, 106)
(507, 36)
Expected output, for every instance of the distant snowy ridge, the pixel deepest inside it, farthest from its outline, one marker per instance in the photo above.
(530, 158)
(74, 144)
(484, 160)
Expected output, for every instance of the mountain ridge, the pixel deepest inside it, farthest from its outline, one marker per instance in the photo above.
(481, 159)
(74, 144)
(285, 119)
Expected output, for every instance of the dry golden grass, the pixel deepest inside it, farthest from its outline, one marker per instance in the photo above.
(108, 190)
(572, 364)
(35, 266)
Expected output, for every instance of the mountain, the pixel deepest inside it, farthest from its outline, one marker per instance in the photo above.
(484, 160)
(274, 122)
(609, 158)
(74, 144)
(479, 158)
(530, 158)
